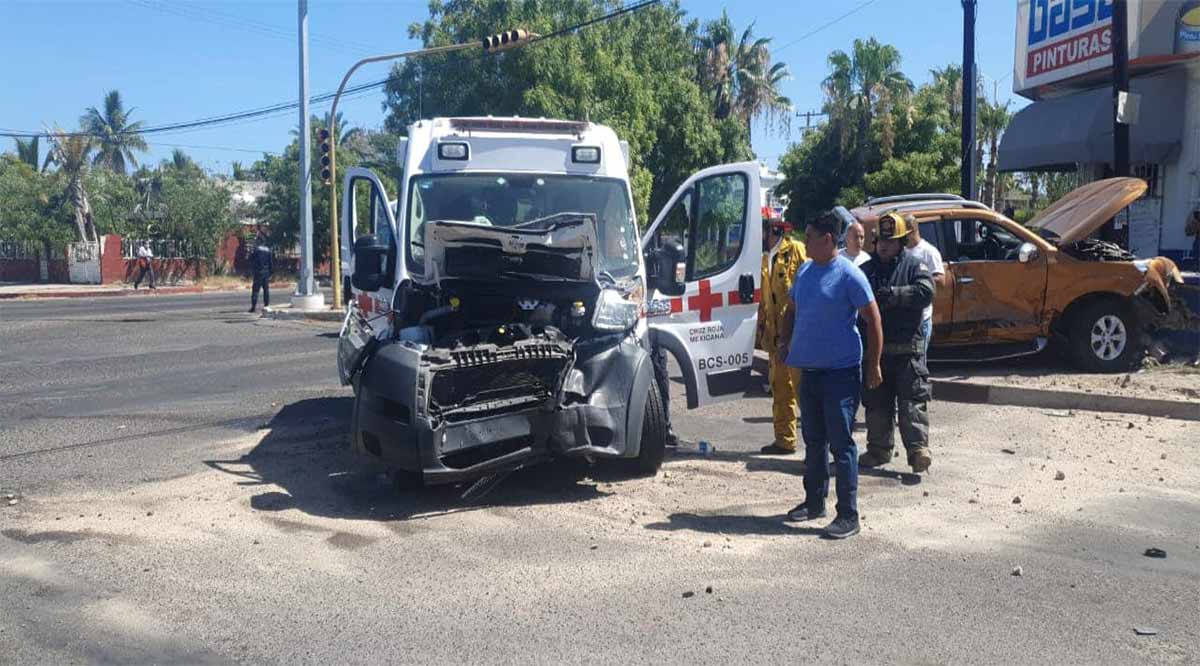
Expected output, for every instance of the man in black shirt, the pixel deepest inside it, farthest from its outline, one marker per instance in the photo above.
(262, 266)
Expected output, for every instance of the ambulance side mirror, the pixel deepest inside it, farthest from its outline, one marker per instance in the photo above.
(667, 267)
(370, 263)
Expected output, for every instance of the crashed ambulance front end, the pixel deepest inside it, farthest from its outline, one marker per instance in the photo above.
(522, 338)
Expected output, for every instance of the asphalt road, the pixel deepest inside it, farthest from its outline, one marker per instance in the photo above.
(184, 495)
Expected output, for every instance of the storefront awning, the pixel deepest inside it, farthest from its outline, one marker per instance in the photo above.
(1077, 129)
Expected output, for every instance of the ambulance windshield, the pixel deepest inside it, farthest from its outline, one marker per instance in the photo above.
(527, 201)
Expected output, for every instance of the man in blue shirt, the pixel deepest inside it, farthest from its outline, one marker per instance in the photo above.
(821, 339)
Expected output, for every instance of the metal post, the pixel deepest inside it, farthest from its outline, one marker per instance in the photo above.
(1120, 52)
(306, 296)
(968, 85)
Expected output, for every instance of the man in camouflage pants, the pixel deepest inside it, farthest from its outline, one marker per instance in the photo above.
(903, 287)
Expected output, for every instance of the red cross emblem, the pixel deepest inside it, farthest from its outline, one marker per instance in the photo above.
(705, 301)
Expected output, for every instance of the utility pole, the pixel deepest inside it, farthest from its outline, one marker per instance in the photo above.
(968, 85)
(1120, 52)
(306, 297)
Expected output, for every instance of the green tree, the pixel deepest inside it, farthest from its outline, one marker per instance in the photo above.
(70, 153)
(33, 206)
(116, 137)
(182, 164)
(27, 151)
(636, 74)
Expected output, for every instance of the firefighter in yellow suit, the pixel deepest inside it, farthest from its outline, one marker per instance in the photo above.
(782, 257)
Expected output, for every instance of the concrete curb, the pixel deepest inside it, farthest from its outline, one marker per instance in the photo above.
(992, 394)
(286, 312)
(109, 293)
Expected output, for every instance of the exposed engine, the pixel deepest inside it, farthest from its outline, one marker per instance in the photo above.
(1091, 249)
(490, 347)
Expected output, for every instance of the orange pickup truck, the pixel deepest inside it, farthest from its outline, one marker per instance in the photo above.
(1010, 290)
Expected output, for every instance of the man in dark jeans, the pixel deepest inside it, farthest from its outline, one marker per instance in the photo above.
(903, 288)
(819, 336)
(262, 266)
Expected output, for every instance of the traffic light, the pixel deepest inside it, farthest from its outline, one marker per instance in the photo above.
(326, 173)
(508, 39)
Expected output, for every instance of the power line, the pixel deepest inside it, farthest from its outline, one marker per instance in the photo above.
(819, 28)
(214, 17)
(284, 107)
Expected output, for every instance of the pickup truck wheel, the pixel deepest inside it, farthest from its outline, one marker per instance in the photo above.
(1104, 337)
(654, 434)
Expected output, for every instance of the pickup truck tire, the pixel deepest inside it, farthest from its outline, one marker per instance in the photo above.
(654, 436)
(1103, 336)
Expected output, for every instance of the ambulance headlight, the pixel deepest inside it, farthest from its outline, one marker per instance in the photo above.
(453, 151)
(615, 312)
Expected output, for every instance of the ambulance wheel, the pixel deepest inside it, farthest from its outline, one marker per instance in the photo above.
(654, 435)
(1104, 337)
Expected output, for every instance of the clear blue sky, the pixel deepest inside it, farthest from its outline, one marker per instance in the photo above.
(177, 60)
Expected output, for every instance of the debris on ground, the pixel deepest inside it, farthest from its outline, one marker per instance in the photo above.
(1018, 571)
(689, 594)
(1155, 552)
(1008, 451)
(972, 501)
(12, 502)
(1017, 500)
(708, 590)
(1145, 631)
(1060, 476)
(593, 547)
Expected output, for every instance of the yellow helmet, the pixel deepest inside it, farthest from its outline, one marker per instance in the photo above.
(894, 226)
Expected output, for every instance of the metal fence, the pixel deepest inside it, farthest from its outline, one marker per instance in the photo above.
(19, 249)
(163, 248)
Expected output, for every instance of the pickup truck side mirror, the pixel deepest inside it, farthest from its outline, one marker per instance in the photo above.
(666, 268)
(370, 263)
(1027, 252)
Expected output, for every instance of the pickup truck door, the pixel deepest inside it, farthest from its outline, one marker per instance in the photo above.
(365, 205)
(716, 215)
(997, 298)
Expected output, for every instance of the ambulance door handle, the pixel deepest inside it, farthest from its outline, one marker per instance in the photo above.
(746, 288)
(965, 280)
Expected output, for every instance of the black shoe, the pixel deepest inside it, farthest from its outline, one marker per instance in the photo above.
(251, 311)
(841, 528)
(672, 439)
(802, 513)
(776, 450)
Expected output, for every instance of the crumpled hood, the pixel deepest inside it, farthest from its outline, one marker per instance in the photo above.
(1086, 209)
(561, 249)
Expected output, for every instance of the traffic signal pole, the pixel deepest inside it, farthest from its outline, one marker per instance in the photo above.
(507, 40)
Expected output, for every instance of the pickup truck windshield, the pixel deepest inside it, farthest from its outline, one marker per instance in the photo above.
(529, 201)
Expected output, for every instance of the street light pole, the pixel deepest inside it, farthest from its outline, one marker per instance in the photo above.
(306, 296)
(512, 39)
(968, 86)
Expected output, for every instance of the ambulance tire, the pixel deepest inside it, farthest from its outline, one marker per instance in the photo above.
(1103, 337)
(654, 436)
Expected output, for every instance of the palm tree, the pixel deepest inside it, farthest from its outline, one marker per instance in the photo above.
(863, 85)
(740, 77)
(948, 82)
(993, 119)
(27, 152)
(70, 152)
(116, 137)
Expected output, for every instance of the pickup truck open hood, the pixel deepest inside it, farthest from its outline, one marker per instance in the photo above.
(1084, 210)
(563, 249)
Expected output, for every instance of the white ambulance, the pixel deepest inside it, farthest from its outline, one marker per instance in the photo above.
(503, 311)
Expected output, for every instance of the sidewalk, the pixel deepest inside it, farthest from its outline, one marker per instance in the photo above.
(24, 290)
